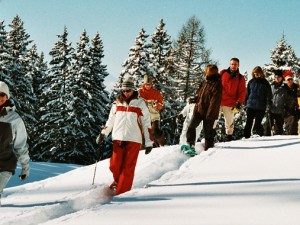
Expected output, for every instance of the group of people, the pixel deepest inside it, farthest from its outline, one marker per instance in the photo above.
(223, 93)
(134, 118)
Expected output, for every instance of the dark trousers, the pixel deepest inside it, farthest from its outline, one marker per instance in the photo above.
(277, 120)
(258, 115)
(291, 124)
(209, 132)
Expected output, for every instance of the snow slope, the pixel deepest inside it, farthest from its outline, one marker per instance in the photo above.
(252, 181)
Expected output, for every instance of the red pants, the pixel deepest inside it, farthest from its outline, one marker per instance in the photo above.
(123, 162)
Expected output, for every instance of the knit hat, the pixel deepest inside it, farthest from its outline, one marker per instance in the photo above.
(278, 73)
(4, 88)
(128, 83)
(147, 79)
(288, 74)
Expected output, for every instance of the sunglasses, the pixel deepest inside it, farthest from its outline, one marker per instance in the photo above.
(2, 94)
(290, 79)
(127, 91)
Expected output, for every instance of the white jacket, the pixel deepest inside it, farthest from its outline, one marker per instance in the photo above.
(187, 112)
(129, 122)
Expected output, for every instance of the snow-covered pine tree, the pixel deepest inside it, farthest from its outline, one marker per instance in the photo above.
(283, 57)
(191, 58)
(100, 102)
(137, 64)
(164, 79)
(4, 56)
(54, 143)
(21, 89)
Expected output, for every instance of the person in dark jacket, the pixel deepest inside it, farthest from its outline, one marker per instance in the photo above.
(258, 99)
(209, 96)
(292, 106)
(13, 140)
(278, 106)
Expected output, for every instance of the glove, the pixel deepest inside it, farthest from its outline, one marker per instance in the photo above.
(148, 150)
(100, 139)
(25, 172)
(179, 118)
(237, 106)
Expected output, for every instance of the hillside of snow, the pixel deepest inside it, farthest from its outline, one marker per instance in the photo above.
(251, 181)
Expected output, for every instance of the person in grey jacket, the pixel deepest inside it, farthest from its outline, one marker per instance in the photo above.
(278, 103)
(13, 140)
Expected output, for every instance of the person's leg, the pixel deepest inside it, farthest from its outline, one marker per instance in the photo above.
(259, 115)
(131, 150)
(229, 121)
(191, 132)
(4, 178)
(278, 125)
(209, 134)
(116, 160)
(249, 123)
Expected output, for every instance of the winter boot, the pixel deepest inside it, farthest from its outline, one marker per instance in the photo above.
(208, 144)
(229, 137)
(113, 186)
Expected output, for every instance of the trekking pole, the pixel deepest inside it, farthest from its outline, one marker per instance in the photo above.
(100, 156)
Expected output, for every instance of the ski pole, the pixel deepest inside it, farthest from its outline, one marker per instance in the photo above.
(100, 156)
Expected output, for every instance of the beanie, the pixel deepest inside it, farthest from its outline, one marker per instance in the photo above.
(128, 83)
(147, 79)
(278, 73)
(4, 88)
(288, 74)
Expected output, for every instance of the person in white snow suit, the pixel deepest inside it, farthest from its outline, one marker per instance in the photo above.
(129, 121)
(187, 113)
(13, 140)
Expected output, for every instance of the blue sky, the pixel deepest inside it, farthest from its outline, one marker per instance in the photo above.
(234, 28)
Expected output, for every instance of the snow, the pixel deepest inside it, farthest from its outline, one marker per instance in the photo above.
(251, 181)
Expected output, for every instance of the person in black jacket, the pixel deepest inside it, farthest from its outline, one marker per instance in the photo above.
(258, 100)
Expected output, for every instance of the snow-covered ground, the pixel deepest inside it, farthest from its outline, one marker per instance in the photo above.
(253, 181)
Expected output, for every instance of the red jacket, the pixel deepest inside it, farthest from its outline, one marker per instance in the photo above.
(234, 89)
(152, 96)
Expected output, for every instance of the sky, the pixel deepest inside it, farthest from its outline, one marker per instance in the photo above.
(248, 30)
(250, 182)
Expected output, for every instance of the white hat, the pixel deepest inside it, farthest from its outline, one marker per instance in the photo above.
(4, 88)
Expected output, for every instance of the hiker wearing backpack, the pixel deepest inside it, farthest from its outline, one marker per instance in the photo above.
(233, 94)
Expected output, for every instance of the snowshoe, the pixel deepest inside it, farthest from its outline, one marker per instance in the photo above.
(187, 150)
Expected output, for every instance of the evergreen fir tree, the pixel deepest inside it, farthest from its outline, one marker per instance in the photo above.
(54, 143)
(161, 61)
(4, 56)
(21, 89)
(191, 58)
(283, 58)
(100, 103)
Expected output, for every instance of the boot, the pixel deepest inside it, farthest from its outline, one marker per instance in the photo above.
(229, 137)
(208, 144)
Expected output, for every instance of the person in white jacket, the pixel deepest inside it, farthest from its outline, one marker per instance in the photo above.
(129, 121)
(187, 113)
(13, 140)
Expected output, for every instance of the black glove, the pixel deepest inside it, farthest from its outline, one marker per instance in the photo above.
(100, 139)
(179, 118)
(25, 172)
(148, 150)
